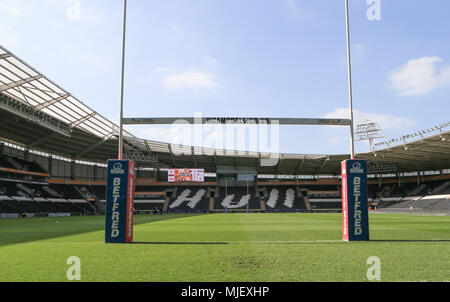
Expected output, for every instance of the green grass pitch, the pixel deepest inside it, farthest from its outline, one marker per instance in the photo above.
(226, 247)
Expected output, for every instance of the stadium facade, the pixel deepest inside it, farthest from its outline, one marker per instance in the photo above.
(54, 150)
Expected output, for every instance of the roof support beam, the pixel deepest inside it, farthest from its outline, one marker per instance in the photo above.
(18, 83)
(4, 56)
(278, 165)
(300, 165)
(51, 102)
(215, 159)
(81, 120)
(172, 156)
(322, 165)
(104, 139)
(147, 147)
(149, 150)
(193, 157)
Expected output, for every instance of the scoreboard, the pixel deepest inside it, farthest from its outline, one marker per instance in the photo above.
(186, 175)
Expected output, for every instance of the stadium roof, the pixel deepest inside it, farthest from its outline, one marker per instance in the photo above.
(38, 114)
(21, 82)
(61, 124)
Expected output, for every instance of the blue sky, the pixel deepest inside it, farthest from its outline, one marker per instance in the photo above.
(280, 58)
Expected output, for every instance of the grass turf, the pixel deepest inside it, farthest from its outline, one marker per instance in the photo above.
(226, 247)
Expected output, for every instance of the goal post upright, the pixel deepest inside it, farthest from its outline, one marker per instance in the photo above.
(120, 182)
(355, 212)
(120, 151)
(350, 93)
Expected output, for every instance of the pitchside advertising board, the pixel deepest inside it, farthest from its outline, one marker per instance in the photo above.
(119, 201)
(355, 214)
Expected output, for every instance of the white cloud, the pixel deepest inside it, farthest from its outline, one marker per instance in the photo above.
(419, 76)
(85, 12)
(210, 62)
(292, 6)
(73, 12)
(11, 7)
(195, 80)
(386, 121)
(163, 69)
(189, 80)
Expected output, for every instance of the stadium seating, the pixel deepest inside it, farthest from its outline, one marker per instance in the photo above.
(431, 202)
(441, 189)
(283, 198)
(42, 206)
(22, 197)
(234, 198)
(66, 191)
(190, 198)
(20, 164)
(388, 201)
(440, 204)
(148, 206)
(326, 204)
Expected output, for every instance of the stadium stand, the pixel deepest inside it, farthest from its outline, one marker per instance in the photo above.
(24, 205)
(15, 168)
(330, 204)
(53, 150)
(150, 199)
(98, 192)
(189, 199)
(388, 201)
(417, 191)
(39, 198)
(429, 202)
(20, 196)
(442, 188)
(234, 198)
(284, 198)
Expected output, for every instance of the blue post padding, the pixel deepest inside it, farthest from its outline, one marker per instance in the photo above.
(116, 201)
(355, 185)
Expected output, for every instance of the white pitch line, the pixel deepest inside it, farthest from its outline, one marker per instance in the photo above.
(284, 242)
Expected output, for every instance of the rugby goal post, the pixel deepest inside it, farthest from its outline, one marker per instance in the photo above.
(353, 172)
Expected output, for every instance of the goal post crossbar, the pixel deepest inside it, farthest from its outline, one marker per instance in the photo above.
(236, 120)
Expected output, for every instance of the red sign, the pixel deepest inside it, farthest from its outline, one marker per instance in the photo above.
(344, 202)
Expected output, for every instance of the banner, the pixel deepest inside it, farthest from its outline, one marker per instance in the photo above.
(119, 201)
(355, 214)
(186, 175)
